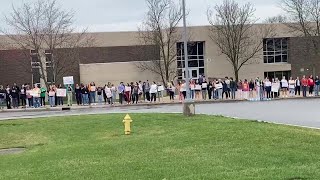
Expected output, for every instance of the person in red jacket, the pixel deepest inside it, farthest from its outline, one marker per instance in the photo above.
(311, 85)
(304, 83)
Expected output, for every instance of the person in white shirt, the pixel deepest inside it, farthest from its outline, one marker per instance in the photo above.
(153, 91)
(109, 94)
(267, 86)
(219, 88)
(275, 88)
(284, 87)
(183, 90)
(292, 86)
(93, 90)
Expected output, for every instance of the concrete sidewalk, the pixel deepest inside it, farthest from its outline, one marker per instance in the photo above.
(165, 101)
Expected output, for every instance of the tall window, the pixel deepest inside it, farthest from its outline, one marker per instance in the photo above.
(49, 67)
(35, 65)
(275, 50)
(277, 74)
(195, 59)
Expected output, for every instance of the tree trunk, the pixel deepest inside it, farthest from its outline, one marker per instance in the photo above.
(236, 74)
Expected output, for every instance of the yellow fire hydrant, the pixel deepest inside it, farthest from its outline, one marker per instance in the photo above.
(127, 124)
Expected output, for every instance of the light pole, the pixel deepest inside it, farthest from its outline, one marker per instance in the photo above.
(188, 105)
(185, 43)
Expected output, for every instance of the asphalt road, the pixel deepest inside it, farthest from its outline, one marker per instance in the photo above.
(304, 113)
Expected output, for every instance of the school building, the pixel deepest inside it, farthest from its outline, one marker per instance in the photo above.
(115, 55)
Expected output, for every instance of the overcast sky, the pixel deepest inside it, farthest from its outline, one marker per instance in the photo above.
(125, 15)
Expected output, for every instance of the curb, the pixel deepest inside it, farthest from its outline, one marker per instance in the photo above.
(144, 105)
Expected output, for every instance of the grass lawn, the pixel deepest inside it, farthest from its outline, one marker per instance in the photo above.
(162, 146)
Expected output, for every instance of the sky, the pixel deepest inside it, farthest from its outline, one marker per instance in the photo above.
(126, 15)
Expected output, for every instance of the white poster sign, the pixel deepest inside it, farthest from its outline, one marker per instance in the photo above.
(127, 89)
(35, 93)
(61, 92)
(204, 85)
(160, 88)
(68, 80)
(198, 87)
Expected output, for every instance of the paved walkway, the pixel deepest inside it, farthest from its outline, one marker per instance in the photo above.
(298, 112)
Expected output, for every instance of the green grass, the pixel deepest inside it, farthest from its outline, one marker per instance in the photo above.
(162, 146)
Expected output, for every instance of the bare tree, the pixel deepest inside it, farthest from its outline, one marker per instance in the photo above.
(305, 18)
(160, 29)
(276, 19)
(304, 15)
(233, 31)
(44, 27)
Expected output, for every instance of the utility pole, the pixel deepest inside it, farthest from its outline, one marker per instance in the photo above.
(188, 105)
(185, 42)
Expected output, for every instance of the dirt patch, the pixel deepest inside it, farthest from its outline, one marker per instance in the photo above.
(11, 151)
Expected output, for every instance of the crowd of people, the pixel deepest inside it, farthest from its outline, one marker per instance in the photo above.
(132, 93)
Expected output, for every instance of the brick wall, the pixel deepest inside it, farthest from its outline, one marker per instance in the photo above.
(303, 56)
(15, 67)
(15, 64)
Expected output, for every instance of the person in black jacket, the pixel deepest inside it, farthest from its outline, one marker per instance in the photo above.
(78, 94)
(8, 97)
(2, 97)
(233, 88)
(23, 95)
(14, 96)
(225, 90)
(210, 89)
(18, 90)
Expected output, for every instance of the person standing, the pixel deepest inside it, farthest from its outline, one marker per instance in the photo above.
(85, 95)
(183, 90)
(210, 89)
(197, 87)
(204, 87)
(109, 95)
(36, 96)
(251, 89)
(69, 95)
(304, 83)
(2, 97)
(311, 85)
(18, 93)
(60, 98)
(228, 90)
(114, 93)
(267, 86)
(291, 87)
(245, 89)
(78, 94)
(153, 92)
(100, 94)
(297, 86)
(317, 86)
(8, 97)
(15, 97)
(171, 90)
(92, 89)
(225, 90)
(140, 91)
(233, 88)
(219, 88)
(192, 89)
(284, 87)
(135, 93)
(23, 96)
(43, 94)
(147, 90)
(240, 86)
(121, 89)
(52, 94)
(29, 96)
